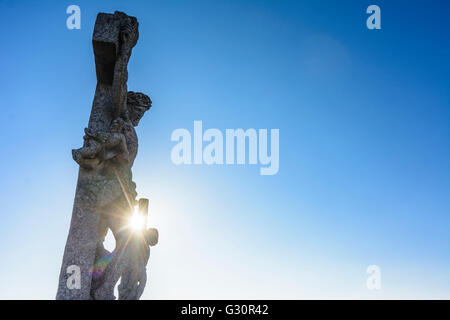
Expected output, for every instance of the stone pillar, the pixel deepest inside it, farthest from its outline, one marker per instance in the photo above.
(82, 240)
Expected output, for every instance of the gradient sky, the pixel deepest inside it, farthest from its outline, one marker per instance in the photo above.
(364, 145)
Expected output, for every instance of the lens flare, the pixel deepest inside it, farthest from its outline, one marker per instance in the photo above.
(100, 265)
(137, 221)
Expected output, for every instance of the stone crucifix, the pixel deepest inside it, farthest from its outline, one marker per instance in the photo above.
(106, 194)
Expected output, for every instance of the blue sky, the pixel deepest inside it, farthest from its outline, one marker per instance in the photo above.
(364, 145)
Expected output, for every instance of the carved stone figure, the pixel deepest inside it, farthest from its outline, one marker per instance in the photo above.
(106, 194)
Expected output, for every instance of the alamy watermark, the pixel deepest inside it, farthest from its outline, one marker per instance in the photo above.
(373, 282)
(235, 140)
(74, 278)
(374, 20)
(74, 20)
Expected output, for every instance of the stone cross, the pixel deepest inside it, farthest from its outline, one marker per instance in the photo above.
(105, 195)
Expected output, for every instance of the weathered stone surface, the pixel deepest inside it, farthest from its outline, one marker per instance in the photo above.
(105, 42)
(106, 194)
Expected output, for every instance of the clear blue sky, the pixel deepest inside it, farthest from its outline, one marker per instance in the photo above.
(364, 145)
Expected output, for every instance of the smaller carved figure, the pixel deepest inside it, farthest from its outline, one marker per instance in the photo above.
(134, 277)
(101, 146)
